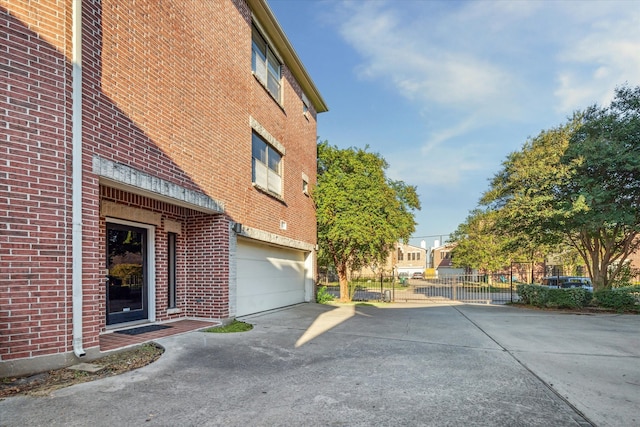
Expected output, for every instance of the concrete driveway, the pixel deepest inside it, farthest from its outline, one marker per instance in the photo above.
(401, 365)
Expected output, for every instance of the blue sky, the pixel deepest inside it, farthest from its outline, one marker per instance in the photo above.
(445, 90)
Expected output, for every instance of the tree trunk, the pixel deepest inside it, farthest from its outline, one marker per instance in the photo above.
(344, 283)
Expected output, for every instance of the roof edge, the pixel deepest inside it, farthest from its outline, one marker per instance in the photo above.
(270, 24)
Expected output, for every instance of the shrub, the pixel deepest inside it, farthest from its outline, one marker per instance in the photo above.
(533, 294)
(618, 299)
(624, 277)
(633, 291)
(323, 296)
(569, 298)
(542, 296)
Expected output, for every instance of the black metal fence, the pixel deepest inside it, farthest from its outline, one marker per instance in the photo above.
(486, 289)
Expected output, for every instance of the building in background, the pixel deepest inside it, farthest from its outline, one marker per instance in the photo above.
(403, 261)
(157, 158)
(440, 261)
(409, 260)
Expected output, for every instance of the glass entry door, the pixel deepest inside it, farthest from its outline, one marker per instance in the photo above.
(127, 278)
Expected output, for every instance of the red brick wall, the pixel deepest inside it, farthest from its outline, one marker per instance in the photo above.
(167, 89)
(35, 214)
(202, 258)
(172, 89)
(207, 278)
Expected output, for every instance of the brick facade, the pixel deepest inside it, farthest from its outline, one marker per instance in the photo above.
(167, 95)
(35, 210)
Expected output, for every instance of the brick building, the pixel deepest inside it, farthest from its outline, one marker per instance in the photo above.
(440, 259)
(402, 261)
(155, 165)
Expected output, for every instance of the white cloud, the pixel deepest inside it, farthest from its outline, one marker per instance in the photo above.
(483, 76)
(441, 136)
(498, 58)
(605, 56)
(416, 58)
(443, 167)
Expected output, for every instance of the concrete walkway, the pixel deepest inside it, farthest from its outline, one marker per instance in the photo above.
(401, 365)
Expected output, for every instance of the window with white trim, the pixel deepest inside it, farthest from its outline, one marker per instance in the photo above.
(266, 166)
(264, 63)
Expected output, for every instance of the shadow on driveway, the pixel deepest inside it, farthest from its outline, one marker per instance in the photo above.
(400, 364)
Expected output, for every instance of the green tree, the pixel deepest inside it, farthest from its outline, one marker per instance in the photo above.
(578, 184)
(482, 243)
(525, 191)
(524, 196)
(478, 244)
(601, 201)
(360, 212)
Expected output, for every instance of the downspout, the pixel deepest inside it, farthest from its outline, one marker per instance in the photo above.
(76, 177)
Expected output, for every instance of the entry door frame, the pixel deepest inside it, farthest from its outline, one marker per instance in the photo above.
(151, 264)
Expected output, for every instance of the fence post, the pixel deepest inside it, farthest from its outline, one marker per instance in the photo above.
(511, 281)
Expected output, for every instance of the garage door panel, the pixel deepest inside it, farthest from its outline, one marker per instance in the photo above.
(268, 277)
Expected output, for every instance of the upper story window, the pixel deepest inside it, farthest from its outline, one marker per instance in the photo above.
(305, 106)
(267, 166)
(264, 63)
(305, 184)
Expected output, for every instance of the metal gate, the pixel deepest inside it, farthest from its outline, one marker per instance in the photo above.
(472, 289)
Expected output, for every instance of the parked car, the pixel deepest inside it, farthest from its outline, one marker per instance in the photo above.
(566, 282)
(417, 275)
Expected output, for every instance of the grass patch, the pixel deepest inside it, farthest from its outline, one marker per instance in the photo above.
(323, 296)
(235, 326)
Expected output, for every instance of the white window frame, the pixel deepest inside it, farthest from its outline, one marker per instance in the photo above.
(265, 63)
(266, 170)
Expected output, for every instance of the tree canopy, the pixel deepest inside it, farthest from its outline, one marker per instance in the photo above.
(478, 244)
(602, 198)
(483, 243)
(577, 184)
(361, 213)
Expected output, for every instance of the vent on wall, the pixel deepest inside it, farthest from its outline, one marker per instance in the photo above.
(283, 225)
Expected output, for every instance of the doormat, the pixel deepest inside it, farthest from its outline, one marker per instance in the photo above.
(143, 329)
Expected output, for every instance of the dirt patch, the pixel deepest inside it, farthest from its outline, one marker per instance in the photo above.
(44, 383)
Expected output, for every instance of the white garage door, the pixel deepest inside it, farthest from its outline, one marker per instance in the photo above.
(268, 277)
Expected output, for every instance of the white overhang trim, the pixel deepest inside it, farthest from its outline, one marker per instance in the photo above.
(271, 238)
(135, 181)
(269, 24)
